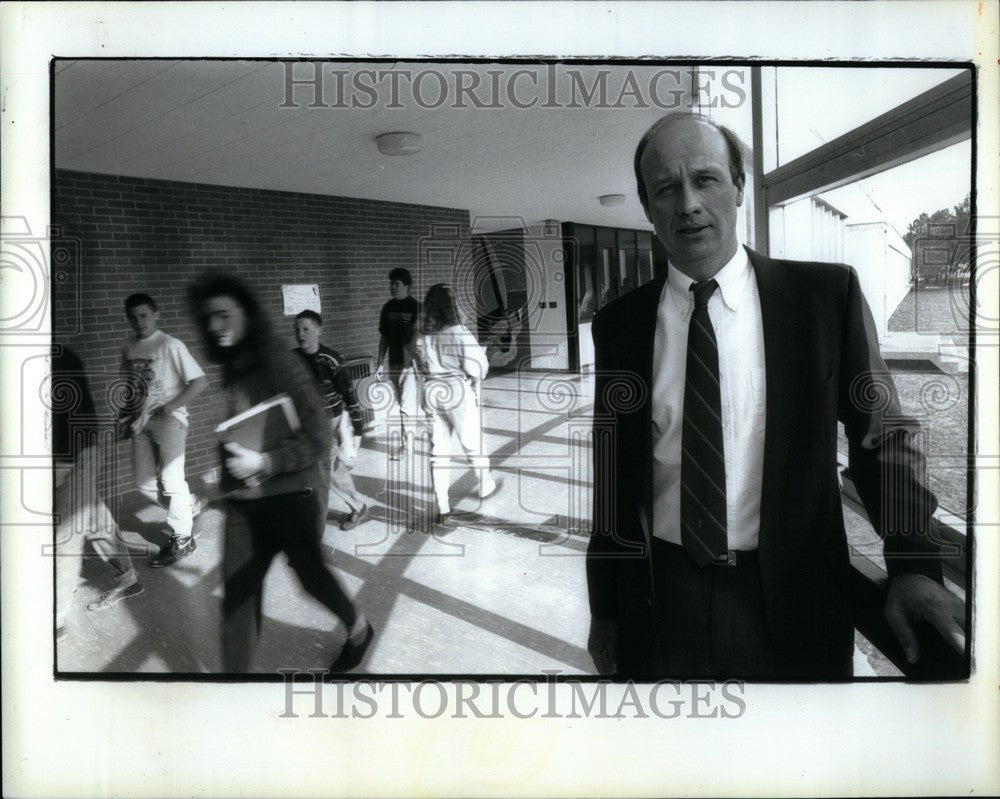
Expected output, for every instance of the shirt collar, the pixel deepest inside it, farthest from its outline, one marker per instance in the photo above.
(732, 280)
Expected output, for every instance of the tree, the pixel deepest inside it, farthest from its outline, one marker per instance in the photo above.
(926, 234)
(958, 218)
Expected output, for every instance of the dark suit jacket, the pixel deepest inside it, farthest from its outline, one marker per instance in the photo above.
(823, 365)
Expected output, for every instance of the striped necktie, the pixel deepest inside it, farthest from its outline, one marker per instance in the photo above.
(703, 465)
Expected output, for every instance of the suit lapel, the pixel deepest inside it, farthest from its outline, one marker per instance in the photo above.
(634, 358)
(646, 320)
(785, 345)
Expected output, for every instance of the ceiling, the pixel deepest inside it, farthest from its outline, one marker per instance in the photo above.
(230, 123)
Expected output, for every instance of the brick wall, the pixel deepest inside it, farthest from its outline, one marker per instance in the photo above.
(156, 236)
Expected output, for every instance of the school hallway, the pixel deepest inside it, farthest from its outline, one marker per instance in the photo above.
(500, 591)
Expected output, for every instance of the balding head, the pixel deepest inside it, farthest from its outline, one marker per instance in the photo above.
(733, 145)
(692, 186)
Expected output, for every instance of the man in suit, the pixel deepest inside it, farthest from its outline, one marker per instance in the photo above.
(718, 547)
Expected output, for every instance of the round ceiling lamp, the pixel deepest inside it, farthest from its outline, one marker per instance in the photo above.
(399, 143)
(611, 199)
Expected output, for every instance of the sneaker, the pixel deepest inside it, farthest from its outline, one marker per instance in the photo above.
(175, 550)
(354, 518)
(116, 595)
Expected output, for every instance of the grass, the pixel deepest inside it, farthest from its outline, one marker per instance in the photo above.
(934, 309)
(940, 402)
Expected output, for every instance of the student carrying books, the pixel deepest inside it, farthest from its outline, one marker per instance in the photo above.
(279, 504)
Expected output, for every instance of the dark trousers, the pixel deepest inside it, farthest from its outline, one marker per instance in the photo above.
(709, 622)
(256, 530)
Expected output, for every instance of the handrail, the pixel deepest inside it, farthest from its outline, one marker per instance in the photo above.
(869, 586)
(937, 661)
(952, 540)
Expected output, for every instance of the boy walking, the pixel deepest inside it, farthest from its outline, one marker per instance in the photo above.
(397, 327)
(164, 378)
(337, 390)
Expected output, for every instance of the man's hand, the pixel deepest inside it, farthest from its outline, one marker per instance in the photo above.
(244, 462)
(602, 645)
(379, 372)
(913, 597)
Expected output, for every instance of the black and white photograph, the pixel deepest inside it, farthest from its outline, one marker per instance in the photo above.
(498, 480)
(501, 391)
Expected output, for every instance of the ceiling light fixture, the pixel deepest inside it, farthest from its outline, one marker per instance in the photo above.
(399, 143)
(611, 199)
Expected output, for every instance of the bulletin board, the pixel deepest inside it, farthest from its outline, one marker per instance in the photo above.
(300, 297)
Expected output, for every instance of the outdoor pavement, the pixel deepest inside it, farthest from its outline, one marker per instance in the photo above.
(501, 592)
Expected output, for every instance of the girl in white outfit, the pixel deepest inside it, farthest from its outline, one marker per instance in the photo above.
(453, 365)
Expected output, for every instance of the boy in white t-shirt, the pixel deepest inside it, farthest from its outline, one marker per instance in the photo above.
(164, 378)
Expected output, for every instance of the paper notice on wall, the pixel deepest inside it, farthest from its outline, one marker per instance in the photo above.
(300, 297)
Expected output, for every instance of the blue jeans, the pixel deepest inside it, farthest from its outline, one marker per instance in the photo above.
(159, 450)
(404, 381)
(343, 456)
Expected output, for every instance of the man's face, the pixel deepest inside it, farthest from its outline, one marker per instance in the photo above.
(143, 320)
(692, 199)
(398, 289)
(307, 335)
(225, 320)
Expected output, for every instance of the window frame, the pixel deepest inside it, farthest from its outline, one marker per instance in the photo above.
(931, 121)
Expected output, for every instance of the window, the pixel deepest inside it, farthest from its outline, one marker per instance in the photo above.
(608, 264)
(915, 282)
(583, 251)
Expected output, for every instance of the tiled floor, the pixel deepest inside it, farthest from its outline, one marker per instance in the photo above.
(504, 592)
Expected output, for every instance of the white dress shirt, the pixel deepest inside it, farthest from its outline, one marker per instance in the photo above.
(734, 309)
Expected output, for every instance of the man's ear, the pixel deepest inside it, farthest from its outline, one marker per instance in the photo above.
(739, 191)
